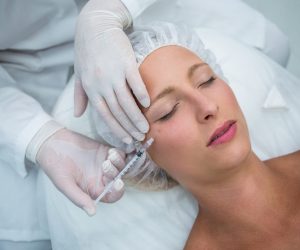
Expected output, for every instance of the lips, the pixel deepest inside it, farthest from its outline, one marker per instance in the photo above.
(223, 133)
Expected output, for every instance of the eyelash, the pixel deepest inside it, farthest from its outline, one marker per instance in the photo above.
(208, 82)
(170, 114)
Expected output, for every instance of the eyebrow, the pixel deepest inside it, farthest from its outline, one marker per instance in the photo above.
(170, 89)
(193, 68)
(162, 94)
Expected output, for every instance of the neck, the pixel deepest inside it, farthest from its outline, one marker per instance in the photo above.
(243, 198)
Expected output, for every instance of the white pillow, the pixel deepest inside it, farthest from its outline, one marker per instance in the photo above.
(162, 220)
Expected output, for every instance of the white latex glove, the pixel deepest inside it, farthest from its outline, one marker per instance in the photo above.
(106, 134)
(106, 72)
(74, 164)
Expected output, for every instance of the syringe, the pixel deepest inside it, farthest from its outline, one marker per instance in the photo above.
(131, 163)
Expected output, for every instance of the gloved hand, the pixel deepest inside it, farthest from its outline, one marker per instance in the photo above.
(74, 164)
(104, 61)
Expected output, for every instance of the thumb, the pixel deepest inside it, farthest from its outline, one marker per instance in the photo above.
(80, 98)
(78, 197)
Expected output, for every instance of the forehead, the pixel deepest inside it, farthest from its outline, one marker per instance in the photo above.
(167, 66)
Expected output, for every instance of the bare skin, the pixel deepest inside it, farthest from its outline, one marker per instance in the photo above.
(264, 218)
(245, 203)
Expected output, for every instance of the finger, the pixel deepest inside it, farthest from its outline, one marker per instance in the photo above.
(80, 98)
(137, 85)
(106, 178)
(116, 192)
(78, 197)
(96, 186)
(120, 115)
(109, 170)
(110, 121)
(129, 148)
(117, 158)
(128, 104)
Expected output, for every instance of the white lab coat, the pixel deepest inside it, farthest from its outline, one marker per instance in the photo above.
(36, 57)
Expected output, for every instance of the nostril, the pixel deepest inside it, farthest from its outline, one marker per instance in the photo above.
(207, 117)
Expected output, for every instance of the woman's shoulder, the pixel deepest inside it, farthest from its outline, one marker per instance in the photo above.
(199, 238)
(286, 165)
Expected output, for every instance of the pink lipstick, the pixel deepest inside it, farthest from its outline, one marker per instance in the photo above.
(223, 134)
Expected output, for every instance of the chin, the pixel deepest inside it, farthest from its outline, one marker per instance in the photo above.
(236, 151)
(237, 155)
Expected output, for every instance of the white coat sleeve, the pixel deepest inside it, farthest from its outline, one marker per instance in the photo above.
(21, 118)
(136, 7)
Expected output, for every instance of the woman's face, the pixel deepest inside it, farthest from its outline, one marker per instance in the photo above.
(188, 104)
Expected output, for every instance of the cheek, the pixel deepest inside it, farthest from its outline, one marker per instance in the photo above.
(174, 137)
(228, 98)
(233, 107)
(241, 147)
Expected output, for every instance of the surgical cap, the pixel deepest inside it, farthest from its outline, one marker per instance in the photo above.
(147, 39)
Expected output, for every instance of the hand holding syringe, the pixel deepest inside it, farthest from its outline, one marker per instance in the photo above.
(131, 163)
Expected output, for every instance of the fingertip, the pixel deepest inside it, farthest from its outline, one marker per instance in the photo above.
(109, 169)
(118, 185)
(78, 197)
(107, 166)
(144, 101)
(117, 192)
(138, 86)
(90, 210)
(127, 140)
(117, 159)
(143, 126)
(115, 156)
(113, 151)
(142, 95)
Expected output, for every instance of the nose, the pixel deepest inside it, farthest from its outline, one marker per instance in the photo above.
(206, 108)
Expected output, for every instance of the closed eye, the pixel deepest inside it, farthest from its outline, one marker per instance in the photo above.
(208, 82)
(170, 114)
